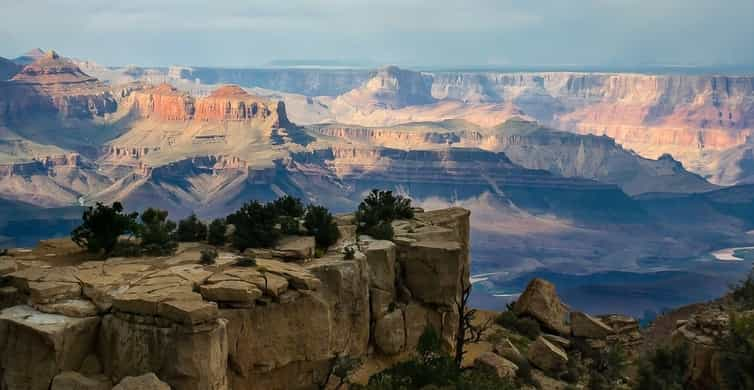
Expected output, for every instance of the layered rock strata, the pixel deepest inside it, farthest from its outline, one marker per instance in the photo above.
(275, 325)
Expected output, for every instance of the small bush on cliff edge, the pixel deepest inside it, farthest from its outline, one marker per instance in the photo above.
(101, 226)
(217, 230)
(663, 369)
(432, 366)
(157, 233)
(379, 209)
(737, 352)
(191, 229)
(254, 226)
(321, 224)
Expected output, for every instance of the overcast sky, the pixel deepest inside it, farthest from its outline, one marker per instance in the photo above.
(404, 32)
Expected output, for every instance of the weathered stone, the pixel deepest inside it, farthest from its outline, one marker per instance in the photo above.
(296, 247)
(499, 365)
(71, 380)
(70, 307)
(189, 312)
(43, 292)
(186, 357)
(35, 346)
(230, 291)
(584, 325)
(91, 365)
(546, 356)
(561, 342)
(381, 260)
(390, 333)
(274, 285)
(541, 302)
(434, 271)
(380, 302)
(144, 382)
(506, 349)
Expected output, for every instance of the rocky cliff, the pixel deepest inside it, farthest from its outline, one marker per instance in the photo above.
(55, 87)
(276, 325)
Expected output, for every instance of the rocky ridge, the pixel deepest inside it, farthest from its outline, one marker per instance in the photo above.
(276, 325)
(56, 87)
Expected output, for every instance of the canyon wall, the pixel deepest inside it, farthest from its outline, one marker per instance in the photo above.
(276, 325)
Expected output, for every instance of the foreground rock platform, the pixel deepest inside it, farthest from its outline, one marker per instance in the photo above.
(277, 325)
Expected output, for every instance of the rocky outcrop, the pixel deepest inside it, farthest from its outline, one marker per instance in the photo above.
(143, 382)
(700, 334)
(56, 87)
(584, 325)
(227, 103)
(541, 302)
(275, 325)
(546, 355)
(391, 88)
(502, 367)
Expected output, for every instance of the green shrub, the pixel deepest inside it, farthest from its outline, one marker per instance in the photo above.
(381, 231)
(246, 262)
(101, 226)
(254, 226)
(156, 233)
(382, 208)
(663, 369)
(288, 206)
(525, 326)
(432, 367)
(737, 352)
(208, 256)
(743, 292)
(191, 229)
(217, 230)
(290, 225)
(321, 224)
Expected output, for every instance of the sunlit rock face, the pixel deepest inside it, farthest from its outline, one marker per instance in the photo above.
(56, 87)
(276, 325)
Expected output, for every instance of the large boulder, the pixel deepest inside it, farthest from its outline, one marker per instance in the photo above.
(148, 381)
(502, 367)
(546, 355)
(390, 333)
(584, 325)
(506, 349)
(36, 346)
(381, 260)
(434, 271)
(71, 380)
(541, 302)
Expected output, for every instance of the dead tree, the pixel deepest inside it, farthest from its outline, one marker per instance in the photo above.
(467, 332)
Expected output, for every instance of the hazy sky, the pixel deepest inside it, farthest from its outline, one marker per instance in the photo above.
(403, 32)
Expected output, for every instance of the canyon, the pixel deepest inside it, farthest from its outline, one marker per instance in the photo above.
(546, 194)
(704, 121)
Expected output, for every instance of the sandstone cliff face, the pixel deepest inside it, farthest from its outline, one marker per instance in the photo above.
(278, 325)
(53, 86)
(227, 103)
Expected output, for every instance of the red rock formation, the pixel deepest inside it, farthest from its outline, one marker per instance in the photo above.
(227, 103)
(54, 86)
(164, 103)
